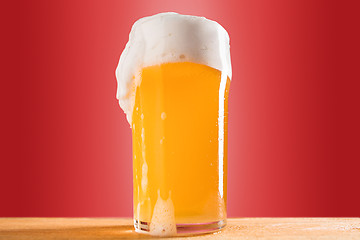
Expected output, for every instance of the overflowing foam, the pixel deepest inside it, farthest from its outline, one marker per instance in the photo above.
(169, 37)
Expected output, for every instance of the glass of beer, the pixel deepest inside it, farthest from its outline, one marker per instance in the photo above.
(173, 84)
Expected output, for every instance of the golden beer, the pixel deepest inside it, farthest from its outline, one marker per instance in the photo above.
(173, 84)
(179, 128)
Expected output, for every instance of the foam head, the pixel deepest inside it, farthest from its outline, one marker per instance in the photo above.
(169, 37)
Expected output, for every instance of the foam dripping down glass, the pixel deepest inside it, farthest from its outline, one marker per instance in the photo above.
(173, 84)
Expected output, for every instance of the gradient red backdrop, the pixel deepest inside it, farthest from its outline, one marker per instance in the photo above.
(294, 106)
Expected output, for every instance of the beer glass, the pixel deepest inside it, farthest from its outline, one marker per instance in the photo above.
(176, 101)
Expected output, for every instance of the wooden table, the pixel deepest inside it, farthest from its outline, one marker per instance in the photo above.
(238, 228)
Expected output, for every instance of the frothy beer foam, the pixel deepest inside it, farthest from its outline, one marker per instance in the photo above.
(163, 218)
(169, 37)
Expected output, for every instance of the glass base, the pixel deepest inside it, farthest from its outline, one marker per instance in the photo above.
(184, 229)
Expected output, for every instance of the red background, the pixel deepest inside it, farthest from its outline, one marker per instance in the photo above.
(294, 106)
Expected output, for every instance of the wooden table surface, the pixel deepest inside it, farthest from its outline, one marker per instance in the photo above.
(237, 228)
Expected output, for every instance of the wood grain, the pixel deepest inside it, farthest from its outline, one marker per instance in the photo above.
(122, 228)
